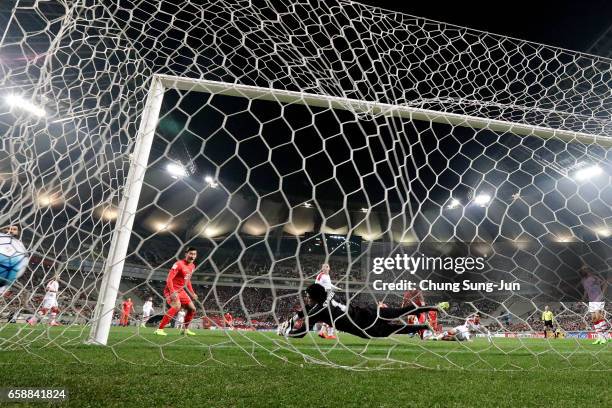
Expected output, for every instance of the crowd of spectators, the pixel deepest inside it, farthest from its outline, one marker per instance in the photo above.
(266, 305)
(254, 263)
(572, 316)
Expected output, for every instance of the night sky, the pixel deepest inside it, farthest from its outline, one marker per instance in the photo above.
(574, 25)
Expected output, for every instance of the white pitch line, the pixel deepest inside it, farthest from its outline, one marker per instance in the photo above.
(420, 349)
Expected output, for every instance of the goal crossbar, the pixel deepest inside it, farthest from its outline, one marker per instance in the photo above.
(378, 109)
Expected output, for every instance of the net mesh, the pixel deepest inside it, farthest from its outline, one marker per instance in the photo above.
(397, 128)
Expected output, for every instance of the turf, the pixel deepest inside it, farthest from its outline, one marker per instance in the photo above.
(218, 369)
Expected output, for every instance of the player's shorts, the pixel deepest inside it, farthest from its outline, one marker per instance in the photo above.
(548, 323)
(146, 315)
(183, 297)
(462, 335)
(427, 334)
(596, 306)
(49, 302)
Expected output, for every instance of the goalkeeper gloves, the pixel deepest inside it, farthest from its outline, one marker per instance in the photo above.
(285, 328)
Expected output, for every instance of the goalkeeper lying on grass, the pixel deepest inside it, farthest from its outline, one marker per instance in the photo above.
(365, 322)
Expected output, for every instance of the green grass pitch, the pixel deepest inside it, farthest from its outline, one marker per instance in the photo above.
(235, 369)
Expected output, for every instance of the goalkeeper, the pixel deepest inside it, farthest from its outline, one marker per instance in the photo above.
(365, 322)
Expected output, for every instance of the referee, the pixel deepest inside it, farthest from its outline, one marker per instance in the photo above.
(547, 318)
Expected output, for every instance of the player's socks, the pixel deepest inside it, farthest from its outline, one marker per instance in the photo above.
(167, 317)
(440, 336)
(160, 332)
(188, 318)
(331, 333)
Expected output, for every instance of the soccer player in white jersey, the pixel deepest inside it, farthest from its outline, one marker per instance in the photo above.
(594, 288)
(464, 332)
(12, 229)
(323, 279)
(49, 303)
(147, 311)
(180, 319)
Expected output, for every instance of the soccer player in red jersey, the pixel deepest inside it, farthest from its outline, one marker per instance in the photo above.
(179, 279)
(125, 312)
(416, 298)
(229, 321)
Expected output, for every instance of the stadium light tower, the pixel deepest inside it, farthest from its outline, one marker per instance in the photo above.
(176, 170)
(19, 102)
(587, 173)
(210, 181)
(109, 213)
(454, 203)
(48, 200)
(162, 225)
(482, 199)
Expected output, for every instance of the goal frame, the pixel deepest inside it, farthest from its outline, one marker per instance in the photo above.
(159, 83)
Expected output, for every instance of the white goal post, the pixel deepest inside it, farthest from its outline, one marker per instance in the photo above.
(103, 314)
(159, 83)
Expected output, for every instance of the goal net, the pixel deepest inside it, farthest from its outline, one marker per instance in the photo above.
(415, 158)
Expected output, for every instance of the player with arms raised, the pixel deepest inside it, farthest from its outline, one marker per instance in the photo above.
(177, 285)
(323, 279)
(362, 321)
(49, 303)
(464, 332)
